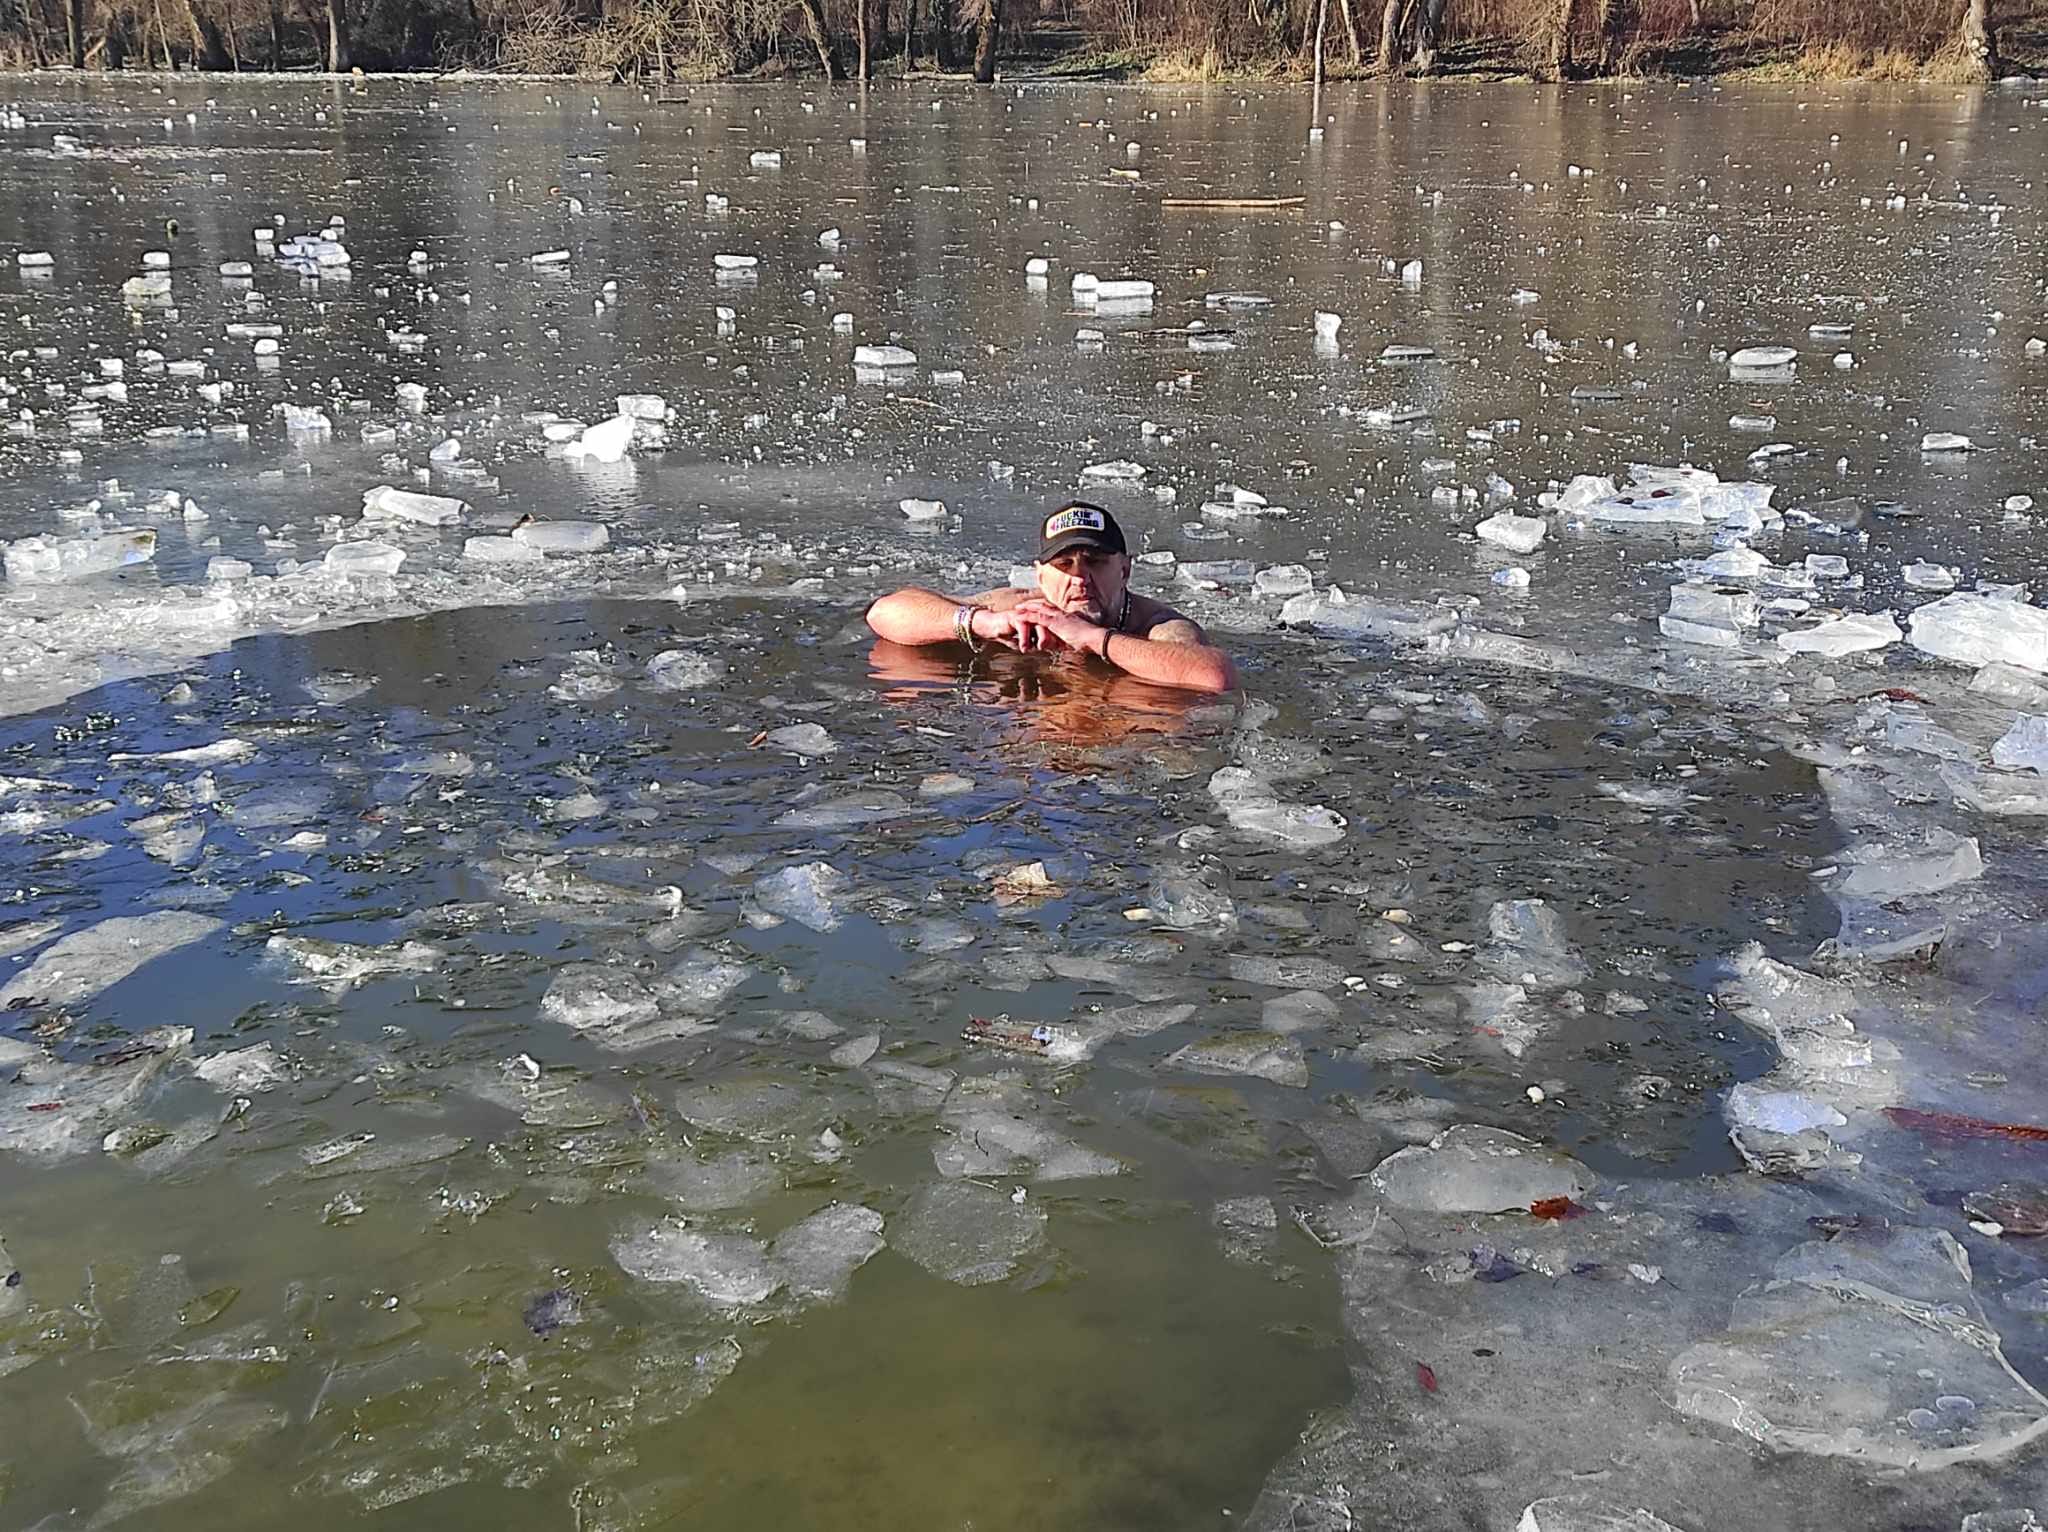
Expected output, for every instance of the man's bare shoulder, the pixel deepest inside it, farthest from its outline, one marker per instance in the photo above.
(1155, 619)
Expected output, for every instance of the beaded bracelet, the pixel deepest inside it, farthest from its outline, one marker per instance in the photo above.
(963, 625)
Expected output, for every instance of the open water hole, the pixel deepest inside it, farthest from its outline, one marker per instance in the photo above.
(318, 1294)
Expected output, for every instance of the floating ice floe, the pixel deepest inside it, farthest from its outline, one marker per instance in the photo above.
(1753, 359)
(882, 363)
(1517, 534)
(359, 560)
(1943, 442)
(386, 503)
(46, 560)
(1853, 634)
(1982, 630)
(73, 970)
(922, 510)
(563, 536)
(1718, 615)
(1922, 574)
(605, 442)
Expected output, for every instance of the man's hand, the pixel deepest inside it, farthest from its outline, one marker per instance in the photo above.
(1022, 628)
(1067, 629)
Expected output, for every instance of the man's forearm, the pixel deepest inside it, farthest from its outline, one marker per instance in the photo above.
(1195, 667)
(914, 616)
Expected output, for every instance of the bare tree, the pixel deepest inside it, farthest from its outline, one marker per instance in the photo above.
(1556, 62)
(1351, 32)
(340, 54)
(1429, 30)
(31, 35)
(986, 28)
(1392, 17)
(74, 32)
(821, 38)
(1979, 40)
(1617, 23)
(210, 48)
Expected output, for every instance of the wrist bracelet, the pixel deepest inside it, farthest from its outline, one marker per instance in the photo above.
(1107, 635)
(963, 625)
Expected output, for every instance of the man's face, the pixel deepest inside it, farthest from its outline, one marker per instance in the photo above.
(1085, 582)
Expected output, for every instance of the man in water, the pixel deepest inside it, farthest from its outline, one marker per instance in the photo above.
(1083, 605)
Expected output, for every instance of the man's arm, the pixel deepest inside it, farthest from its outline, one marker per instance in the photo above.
(1173, 653)
(916, 616)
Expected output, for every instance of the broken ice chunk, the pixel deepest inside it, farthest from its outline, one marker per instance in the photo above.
(86, 962)
(1517, 534)
(1878, 871)
(563, 536)
(1940, 442)
(1922, 574)
(1763, 359)
(605, 442)
(1472, 1169)
(1262, 1055)
(819, 1256)
(500, 550)
(1852, 634)
(386, 503)
(1981, 630)
(922, 510)
(807, 894)
(46, 560)
(353, 561)
(727, 1270)
(964, 1232)
(2024, 746)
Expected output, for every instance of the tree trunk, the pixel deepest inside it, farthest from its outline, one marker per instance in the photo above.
(209, 47)
(985, 32)
(31, 39)
(163, 36)
(909, 34)
(1556, 63)
(1351, 31)
(1617, 21)
(1980, 40)
(74, 32)
(276, 37)
(1429, 28)
(821, 39)
(340, 57)
(942, 34)
(860, 34)
(1392, 16)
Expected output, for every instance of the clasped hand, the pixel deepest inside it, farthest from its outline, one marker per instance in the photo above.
(1034, 626)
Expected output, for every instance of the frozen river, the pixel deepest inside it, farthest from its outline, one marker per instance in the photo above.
(589, 1040)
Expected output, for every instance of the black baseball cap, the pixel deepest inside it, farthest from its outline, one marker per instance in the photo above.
(1079, 525)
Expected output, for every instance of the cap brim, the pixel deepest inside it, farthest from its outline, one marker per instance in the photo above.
(1067, 542)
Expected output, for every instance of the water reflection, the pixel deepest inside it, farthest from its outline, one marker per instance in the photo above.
(1068, 699)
